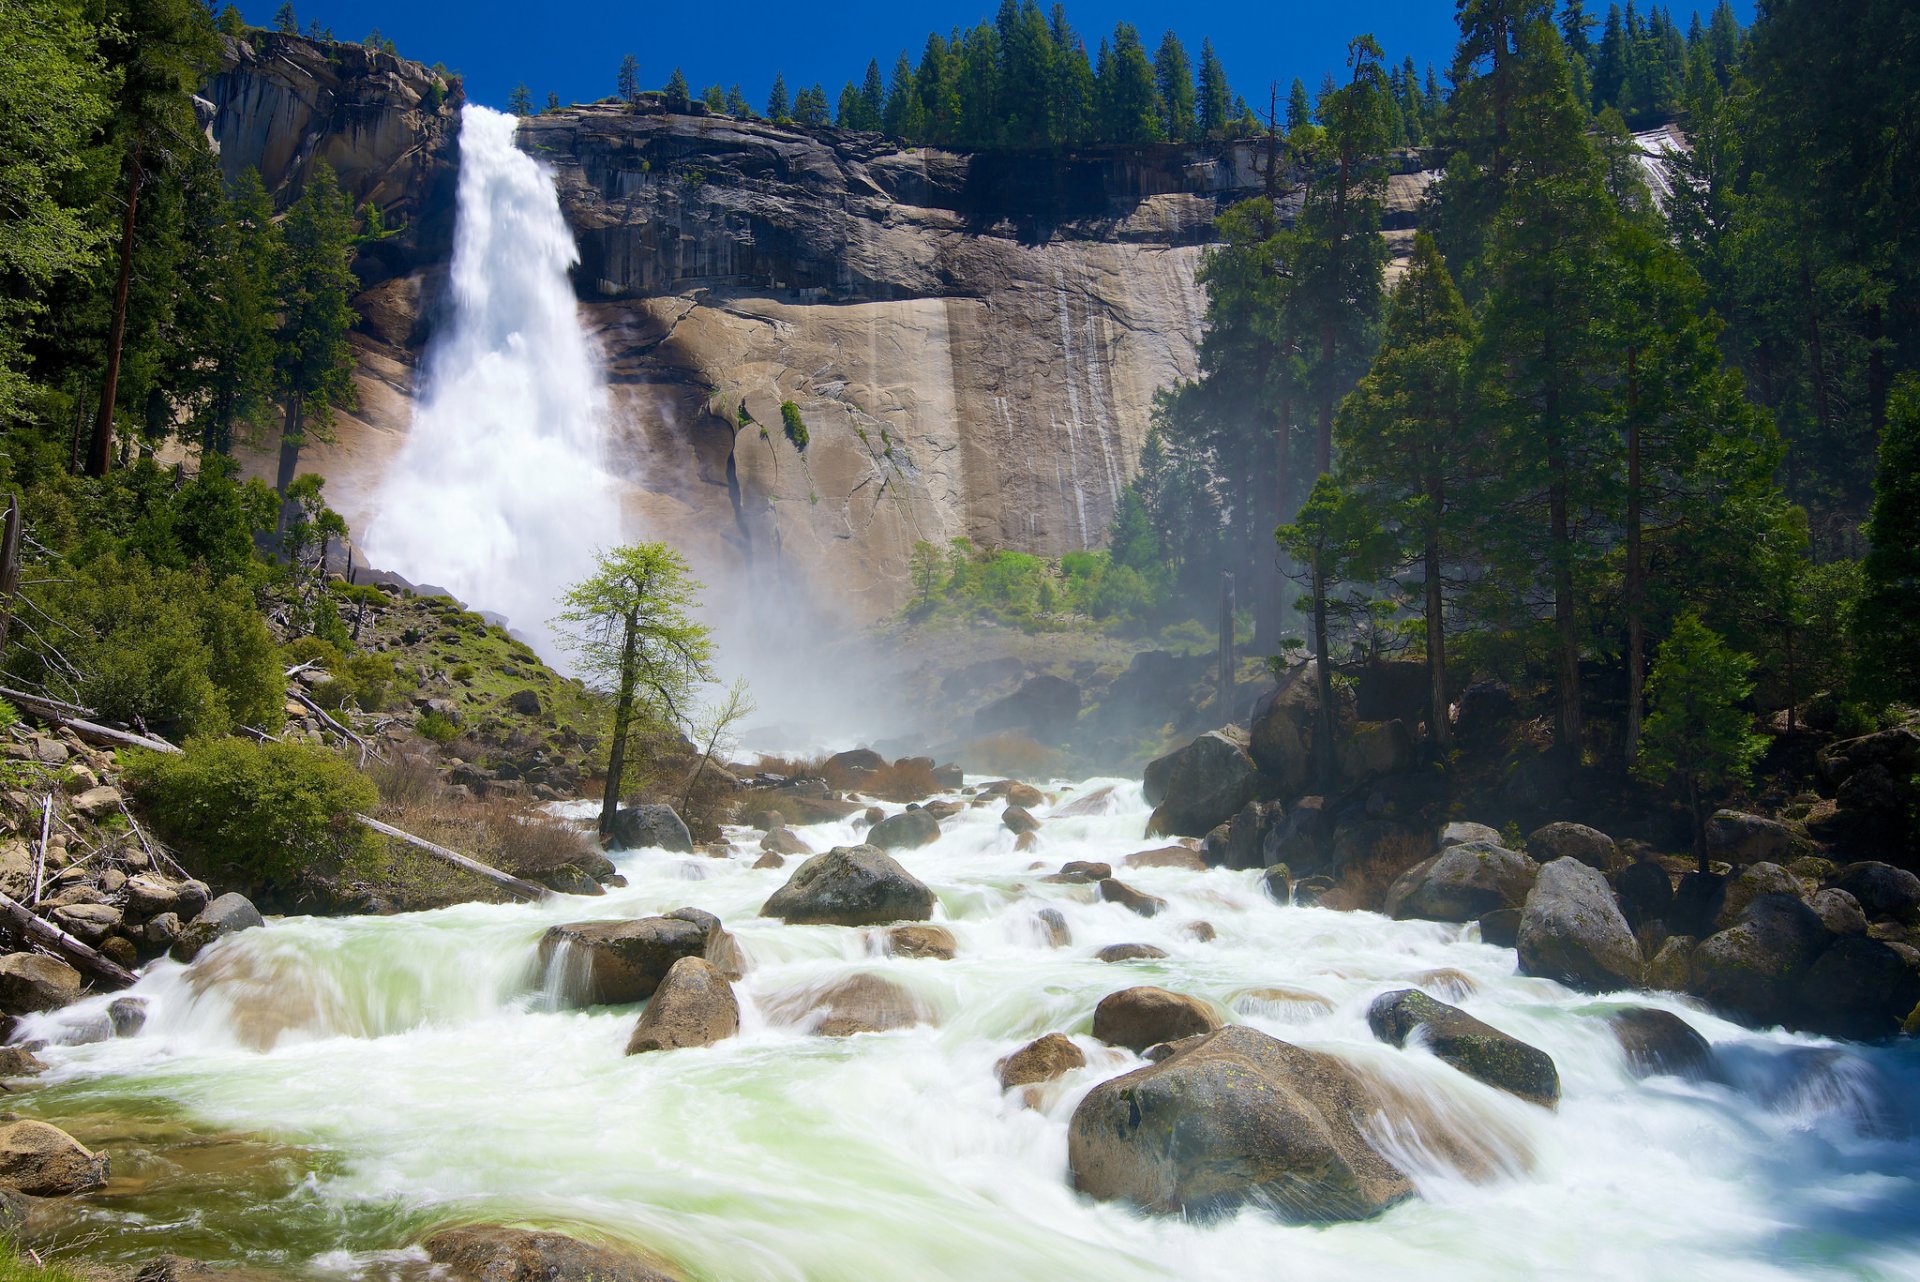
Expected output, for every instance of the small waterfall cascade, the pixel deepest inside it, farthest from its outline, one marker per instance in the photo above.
(501, 494)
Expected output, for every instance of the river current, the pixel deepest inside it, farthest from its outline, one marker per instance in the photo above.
(312, 1096)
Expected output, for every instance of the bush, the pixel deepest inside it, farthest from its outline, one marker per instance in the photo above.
(795, 426)
(273, 812)
(437, 726)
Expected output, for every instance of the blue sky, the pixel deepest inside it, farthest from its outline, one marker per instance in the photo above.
(574, 49)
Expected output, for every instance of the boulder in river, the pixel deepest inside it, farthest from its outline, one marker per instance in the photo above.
(934, 942)
(1196, 788)
(1885, 893)
(1574, 841)
(1860, 988)
(863, 1003)
(1479, 1050)
(1053, 928)
(1660, 1043)
(850, 886)
(908, 830)
(32, 982)
(693, 1006)
(1751, 970)
(228, 915)
(783, 841)
(1747, 885)
(494, 1253)
(616, 963)
(1136, 1018)
(44, 1161)
(1164, 857)
(1115, 891)
(1572, 931)
(649, 827)
(1040, 1060)
(1462, 883)
(1738, 838)
(1018, 819)
(1129, 952)
(1233, 1117)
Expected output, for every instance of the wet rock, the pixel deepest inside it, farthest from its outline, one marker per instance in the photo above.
(1167, 857)
(863, 1003)
(1017, 819)
(694, 1005)
(1200, 932)
(121, 951)
(128, 1015)
(934, 942)
(781, 841)
(1234, 1117)
(32, 982)
(1277, 882)
(622, 962)
(1101, 801)
(161, 931)
(1750, 971)
(492, 1253)
(654, 827)
(1738, 838)
(1573, 841)
(1671, 970)
(1572, 931)
(1453, 985)
(1479, 1050)
(1138, 901)
(1462, 883)
(1040, 1060)
(1136, 1018)
(908, 830)
(1304, 839)
(89, 923)
(228, 915)
(1129, 952)
(1882, 891)
(44, 1161)
(1275, 1002)
(943, 809)
(1860, 988)
(850, 886)
(1838, 911)
(1645, 892)
(1660, 1043)
(770, 860)
(1081, 872)
(1459, 834)
(853, 768)
(1501, 927)
(1748, 885)
(18, 1061)
(1241, 841)
(1015, 793)
(1053, 928)
(570, 879)
(1200, 786)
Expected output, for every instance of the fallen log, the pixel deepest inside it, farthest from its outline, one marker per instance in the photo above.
(87, 961)
(512, 885)
(331, 724)
(75, 718)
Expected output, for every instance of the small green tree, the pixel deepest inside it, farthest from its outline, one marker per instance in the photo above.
(777, 105)
(1697, 739)
(926, 567)
(795, 426)
(631, 628)
(1888, 616)
(317, 286)
(629, 79)
(284, 20)
(678, 96)
(520, 101)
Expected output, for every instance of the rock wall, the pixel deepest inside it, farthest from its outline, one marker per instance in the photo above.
(974, 341)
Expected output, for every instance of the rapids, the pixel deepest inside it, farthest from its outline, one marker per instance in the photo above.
(312, 1095)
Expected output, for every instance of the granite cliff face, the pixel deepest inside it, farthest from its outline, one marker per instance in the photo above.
(974, 341)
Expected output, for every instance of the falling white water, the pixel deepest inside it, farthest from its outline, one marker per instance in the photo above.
(500, 494)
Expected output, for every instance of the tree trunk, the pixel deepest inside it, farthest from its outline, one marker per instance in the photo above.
(1636, 570)
(622, 720)
(1323, 662)
(1227, 604)
(1560, 552)
(100, 449)
(1699, 817)
(1439, 731)
(1323, 446)
(291, 435)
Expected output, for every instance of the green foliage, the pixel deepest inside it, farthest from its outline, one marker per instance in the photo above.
(1697, 738)
(1888, 613)
(793, 424)
(275, 812)
(438, 727)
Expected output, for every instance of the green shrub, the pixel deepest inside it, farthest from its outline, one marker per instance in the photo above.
(373, 677)
(274, 812)
(796, 427)
(437, 726)
(463, 672)
(323, 654)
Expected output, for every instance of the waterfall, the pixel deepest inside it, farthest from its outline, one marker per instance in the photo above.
(500, 494)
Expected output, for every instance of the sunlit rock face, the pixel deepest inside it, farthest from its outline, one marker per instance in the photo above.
(974, 342)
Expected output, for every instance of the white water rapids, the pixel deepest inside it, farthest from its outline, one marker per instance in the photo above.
(418, 1065)
(500, 493)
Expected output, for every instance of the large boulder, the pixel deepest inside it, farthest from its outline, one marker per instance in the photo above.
(850, 886)
(616, 963)
(492, 1253)
(863, 1003)
(1748, 885)
(1285, 724)
(1645, 890)
(1838, 911)
(693, 1006)
(45, 1161)
(1235, 1117)
(1860, 988)
(1660, 1043)
(1462, 883)
(1572, 931)
(1040, 1060)
(1573, 841)
(1241, 841)
(1460, 832)
(908, 830)
(1479, 1050)
(1374, 750)
(1137, 1018)
(228, 915)
(32, 982)
(1738, 838)
(654, 827)
(1751, 970)
(1303, 840)
(1884, 893)
(1115, 891)
(1196, 788)
(1895, 751)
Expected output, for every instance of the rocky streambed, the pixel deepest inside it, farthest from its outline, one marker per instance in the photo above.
(1023, 1042)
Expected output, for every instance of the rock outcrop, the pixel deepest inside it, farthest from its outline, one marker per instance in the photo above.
(850, 886)
(616, 963)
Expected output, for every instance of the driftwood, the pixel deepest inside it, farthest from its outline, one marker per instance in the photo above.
(75, 718)
(9, 566)
(40, 854)
(87, 961)
(512, 885)
(331, 724)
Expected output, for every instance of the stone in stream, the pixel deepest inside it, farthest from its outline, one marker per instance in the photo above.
(1196, 788)
(1234, 1117)
(494, 1253)
(1574, 841)
(44, 1161)
(1572, 931)
(128, 1015)
(908, 830)
(649, 827)
(1136, 1018)
(1040, 1060)
(1053, 928)
(1752, 969)
(1462, 883)
(1138, 901)
(1479, 1050)
(934, 942)
(1080, 872)
(18, 1061)
(850, 886)
(228, 915)
(1018, 820)
(863, 1003)
(1658, 1042)
(617, 963)
(782, 841)
(1860, 988)
(1129, 952)
(1168, 857)
(32, 982)
(693, 1006)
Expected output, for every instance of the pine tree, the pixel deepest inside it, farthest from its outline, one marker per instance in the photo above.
(317, 284)
(1128, 101)
(629, 79)
(1723, 42)
(1173, 82)
(873, 96)
(737, 106)
(1072, 99)
(716, 100)
(677, 96)
(1888, 615)
(520, 101)
(1216, 100)
(903, 118)
(1697, 739)
(284, 20)
(236, 370)
(1299, 106)
(778, 107)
